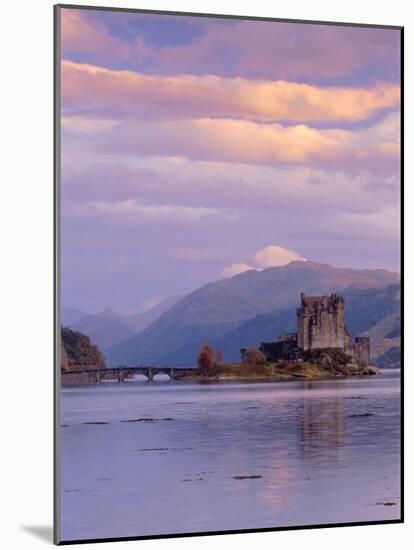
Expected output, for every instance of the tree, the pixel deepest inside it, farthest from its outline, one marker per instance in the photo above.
(206, 365)
(219, 357)
(255, 357)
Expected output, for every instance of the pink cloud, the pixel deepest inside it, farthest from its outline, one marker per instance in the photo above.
(276, 49)
(281, 50)
(269, 256)
(275, 255)
(81, 34)
(236, 269)
(232, 140)
(126, 93)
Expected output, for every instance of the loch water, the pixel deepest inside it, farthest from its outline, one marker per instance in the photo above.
(141, 458)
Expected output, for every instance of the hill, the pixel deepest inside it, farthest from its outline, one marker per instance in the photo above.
(108, 328)
(221, 307)
(77, 351)
(140, 321)
(385, 333)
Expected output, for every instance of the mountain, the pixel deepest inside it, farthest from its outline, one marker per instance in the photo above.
(69, 315)
(385, 334)
(223, 306)
(370, 312)
(140, 321)
(108, 328)
(391, 359)
(263, 328)
(105, 329)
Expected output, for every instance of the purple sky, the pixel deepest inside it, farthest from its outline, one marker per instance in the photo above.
(196, 148)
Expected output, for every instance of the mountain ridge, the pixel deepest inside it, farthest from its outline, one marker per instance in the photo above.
(107, 327)
(221, 306)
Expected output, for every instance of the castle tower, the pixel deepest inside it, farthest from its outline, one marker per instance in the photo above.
(361, 350)
(321, 322)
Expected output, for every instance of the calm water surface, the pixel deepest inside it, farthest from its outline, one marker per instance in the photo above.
(319, 452)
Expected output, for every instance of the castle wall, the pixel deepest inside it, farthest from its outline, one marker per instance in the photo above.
(321, 323)
(303, 333)
(285, 347)
(348, 345)
(361, 350)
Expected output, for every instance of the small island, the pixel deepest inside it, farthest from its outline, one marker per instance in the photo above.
(318, 364)
(321, 348)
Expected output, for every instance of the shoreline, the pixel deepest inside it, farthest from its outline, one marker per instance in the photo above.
(282, 372)
(273, 372)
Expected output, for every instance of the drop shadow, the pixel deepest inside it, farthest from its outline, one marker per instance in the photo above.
(43, 532)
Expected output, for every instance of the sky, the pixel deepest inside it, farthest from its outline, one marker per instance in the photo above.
(195, 148)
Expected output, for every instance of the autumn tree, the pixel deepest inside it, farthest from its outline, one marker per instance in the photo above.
(207, 365)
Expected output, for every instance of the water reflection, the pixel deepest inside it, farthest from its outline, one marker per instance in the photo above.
(322, 425)
(230, 457)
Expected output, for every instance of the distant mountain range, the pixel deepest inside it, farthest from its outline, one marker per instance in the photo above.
(105, 329)
(256, 306)
(140, 321)
(108, 328)
(69, 315)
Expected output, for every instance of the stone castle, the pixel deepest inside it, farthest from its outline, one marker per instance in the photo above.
(320, 324)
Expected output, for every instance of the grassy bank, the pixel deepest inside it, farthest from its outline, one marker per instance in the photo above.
(245, 372)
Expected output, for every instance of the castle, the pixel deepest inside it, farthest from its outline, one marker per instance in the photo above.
(320, 324)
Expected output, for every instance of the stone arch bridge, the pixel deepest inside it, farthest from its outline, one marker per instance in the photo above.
(122, 373)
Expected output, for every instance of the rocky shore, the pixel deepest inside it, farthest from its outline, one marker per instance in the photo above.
(77, 352)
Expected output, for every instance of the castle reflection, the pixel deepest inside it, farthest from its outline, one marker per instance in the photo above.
(323, 423)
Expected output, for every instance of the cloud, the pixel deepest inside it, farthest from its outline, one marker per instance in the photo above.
(384, 223)
(163, 180)
(104, 92)
(236, 269)
(269, 256)
(80, 34)
(232, 140)
(272, 50)
(90, 177)
(275, 256)
(283, 49)
(87, 126)
(134, 212)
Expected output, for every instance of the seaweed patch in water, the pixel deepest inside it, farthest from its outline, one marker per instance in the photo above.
(172, 449)
(194, 479)
(360, 415)
(355, 397)
(146, 419)
(95, 423)
(247, 477)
